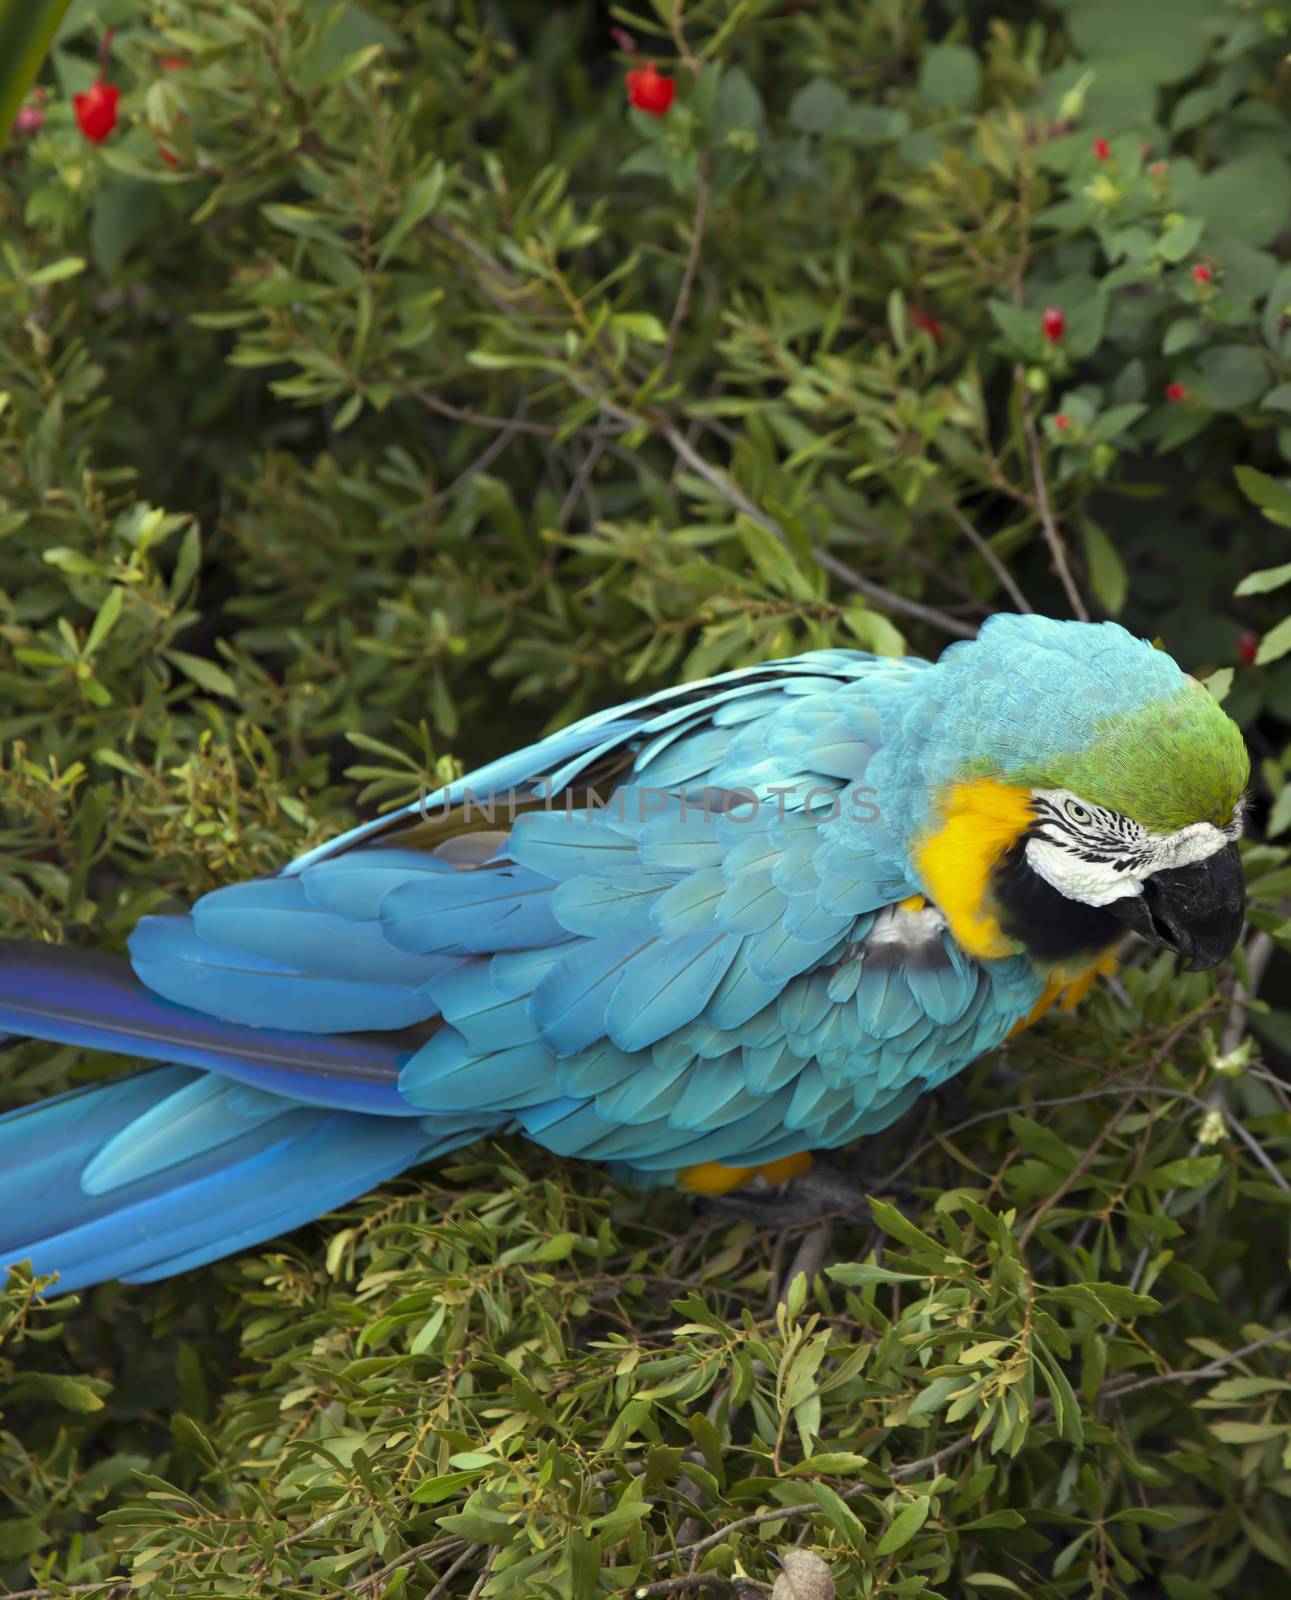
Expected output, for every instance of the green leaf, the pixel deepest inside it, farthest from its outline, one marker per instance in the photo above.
(21, 1536)
(27, 29)
(105, 619)
(430, 1491)
(1188, 1172)
(72, 1394)
(904, 1526)
(1219, 683)
(1182, 334)
(58, 271)
(1247, 198)
(937, 1393)
(1275, 643)
(818, 106)
(950, 76)
(641, 325)
(1181, 239)
(1249, 1432)
(125, 212)
(852, 1273)
(1266, 579)
(838, 1463)
(206, 674)
(1232, 376)
(1107, 575)
(1268, 493)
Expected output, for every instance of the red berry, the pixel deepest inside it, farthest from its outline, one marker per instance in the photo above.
(926, 321)
(1201, 274)
(649, 90)
(1102, 149)
(1248, 645)
(1054, 323)
(1062, 422)
(1176, 392)
(96, 110)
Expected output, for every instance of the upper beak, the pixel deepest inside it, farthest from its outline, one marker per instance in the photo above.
(1196, 910)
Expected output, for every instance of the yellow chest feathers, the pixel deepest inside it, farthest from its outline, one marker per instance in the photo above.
(979, 823)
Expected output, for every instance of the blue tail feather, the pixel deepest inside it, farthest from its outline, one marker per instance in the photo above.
(77, 1198)
(83, 998)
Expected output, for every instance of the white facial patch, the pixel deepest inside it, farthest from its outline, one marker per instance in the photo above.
(1094, 855)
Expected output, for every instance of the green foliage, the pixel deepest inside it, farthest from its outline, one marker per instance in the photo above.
(383, 392)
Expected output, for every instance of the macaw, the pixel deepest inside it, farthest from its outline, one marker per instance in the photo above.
(695, 937)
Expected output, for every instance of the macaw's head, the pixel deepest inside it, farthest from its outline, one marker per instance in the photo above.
(1080, 784)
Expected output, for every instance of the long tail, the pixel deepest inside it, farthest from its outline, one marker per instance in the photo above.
(153, 1173)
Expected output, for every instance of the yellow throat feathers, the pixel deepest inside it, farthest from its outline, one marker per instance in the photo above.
(979, 821)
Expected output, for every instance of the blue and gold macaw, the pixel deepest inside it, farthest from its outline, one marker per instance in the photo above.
(696, 937)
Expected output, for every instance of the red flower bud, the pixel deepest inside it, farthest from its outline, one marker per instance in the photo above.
(29, 121)
(1062, 422)
(174, 63)
(624, 40)
(1175, 393)
(1054, 323)
(1248, 645)
(96, 110)
(1102, 149)
(649, 90)
(926, 321)
(1201, 274)
(1157, 169)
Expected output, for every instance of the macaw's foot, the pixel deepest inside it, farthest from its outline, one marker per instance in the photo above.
(823, 1193)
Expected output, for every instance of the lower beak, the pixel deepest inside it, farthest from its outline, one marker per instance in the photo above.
(1196, 910)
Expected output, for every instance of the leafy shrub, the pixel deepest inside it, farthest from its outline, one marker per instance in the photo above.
(384, 391)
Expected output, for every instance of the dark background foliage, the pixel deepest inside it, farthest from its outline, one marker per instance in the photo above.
(384, 392)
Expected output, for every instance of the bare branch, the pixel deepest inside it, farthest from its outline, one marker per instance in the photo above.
(1047, 524)
(692, 258)
(964, 524)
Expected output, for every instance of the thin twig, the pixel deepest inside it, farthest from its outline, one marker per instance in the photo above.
(983, 548)
(1078, 1171)
(730, 491)
(1197, 1374)
(1258, 954)
(477, 419)
(120, 1586)
(1047, 524)
(580, 487)
(486, 457)
(688, 1582)
(442, 1586)
(692, 259)
(807, 1260)
(373, 1582)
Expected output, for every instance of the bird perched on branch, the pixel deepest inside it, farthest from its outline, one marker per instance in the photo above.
(696, 937)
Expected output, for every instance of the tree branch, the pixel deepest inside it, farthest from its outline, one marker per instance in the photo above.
(1047, 524)
(692, 258)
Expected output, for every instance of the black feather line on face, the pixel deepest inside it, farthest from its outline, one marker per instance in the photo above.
(1101, 841)
(1052, 929)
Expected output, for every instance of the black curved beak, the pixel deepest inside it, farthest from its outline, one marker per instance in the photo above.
(1196, 910)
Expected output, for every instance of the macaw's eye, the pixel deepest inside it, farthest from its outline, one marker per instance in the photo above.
(1076, 811)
